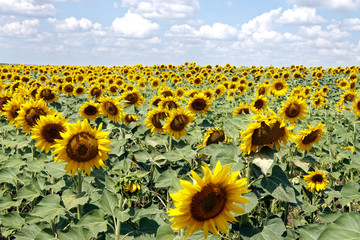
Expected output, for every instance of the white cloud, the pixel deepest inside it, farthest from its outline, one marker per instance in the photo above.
(351, 24)
(72, 24)
(300, 15)
(27, 8)
(134, 25)
(334, 5)
(159, 9)
(24, 28)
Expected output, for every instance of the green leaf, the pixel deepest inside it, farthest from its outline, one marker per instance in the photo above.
(37, 164)
(165, 232)
(71, 200)
(272, 230)
(12, 220)
(108, 202)
(345, 227)
(49, 208)
(56, 170)
(263, 159)
(8, 175)
(93, 220)
(123, 216)
(30, 232)
(142, 156)
(225, 153)
(6, 202)
(78, 233)
(29, 192)
(311, 231)
(279, 186)
(253, 202)
(350, 192)
(166, 179)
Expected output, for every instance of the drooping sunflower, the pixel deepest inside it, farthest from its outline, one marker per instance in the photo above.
(111, 108)
(133, 98)
(316, 180)
(168, 103)
(30, 112)
(307, 138)
(11, 109)
(177, 122)
(90, 110)
(356, 107)
(82, 147)
(319, 102)
(47, 94)
(242, 109)
(279, 87)
(214, 136)
(154, 118)
(259, 104)
(95, 91)
(293, 109)
(4, 98)
(129, 118)
(267, 130)
(199, 103)
(48, 129)
(207, 203)
(347, 96)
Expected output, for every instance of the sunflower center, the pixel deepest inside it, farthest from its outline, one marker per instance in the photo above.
(293, 110)
(317, 178)
(50, 132)
(209, 202)
(33, 114)
(279, 86)
(167, 94)
(310, 138)
(267, 134)
(170, 105)
(358, 105)
(259, 104)
(198, 104)
(349, 97)
(69, 88)
(82, 147)
(14, 111)
(132, 98)
(95, 92)
(129, 118)
(90, 110)
(111, 108)
(179, 122)
(155, 120)
(3, 101)
(215, 137)
(79, 90)
(47, 94)
(262, 91)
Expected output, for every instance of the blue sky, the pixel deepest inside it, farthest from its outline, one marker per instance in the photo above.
(128, 32)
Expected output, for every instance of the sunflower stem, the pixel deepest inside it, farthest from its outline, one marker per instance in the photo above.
(118, 222)
(170, 143)
(79, 188)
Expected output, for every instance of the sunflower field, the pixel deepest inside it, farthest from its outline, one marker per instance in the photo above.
(179, 152)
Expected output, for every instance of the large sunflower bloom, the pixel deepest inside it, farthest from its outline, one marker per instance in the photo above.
(279, 87)
(177, 122)
(82, 147)
(47, 94)
(356, 107)
(293, 109)
(199, 103)
(12, 108)
(268, 131)
(259, 104)
(153, 120)
(316, 180)
(111, 108)
(90, 110)
(207, 203)
(308, 137)
(48, 129)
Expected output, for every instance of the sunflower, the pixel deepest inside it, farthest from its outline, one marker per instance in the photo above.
(179, 93)
(68, 88)
(4, 98)
(47, 94)
(308, 137)
(168, 103)
(293, 109)
(279, 87)
(242, 109)
(214, 136)
(348, 96)
(111, 108)
(356, 107)
(220, 90)
(79, 90)
(11, 109)
(316, 180)
(199, 103)
(261, 90)
(319, 101)
(342, 83)
(154, 118)
(268, 131)
(129, 118)
(177, 122)
(259, 104)
(155, 102)
(95, 91)
(48, 129)
(30, 112)
(90, 110)
(82, 147)
(133, 98)
(207, 203)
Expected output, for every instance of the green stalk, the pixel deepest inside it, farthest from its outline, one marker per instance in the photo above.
(118, 223)
(79, 188)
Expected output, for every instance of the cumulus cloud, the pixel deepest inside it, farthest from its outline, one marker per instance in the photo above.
(352, 24)
(23, 28)
(73, 24)
(134, 25)
(334, 5)
(216, 31)
(159, 9)
(300, 15)
(27, 8)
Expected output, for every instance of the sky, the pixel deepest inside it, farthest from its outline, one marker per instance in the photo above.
(128, 32)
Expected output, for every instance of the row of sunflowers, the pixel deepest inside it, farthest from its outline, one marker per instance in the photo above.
(282, 143)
